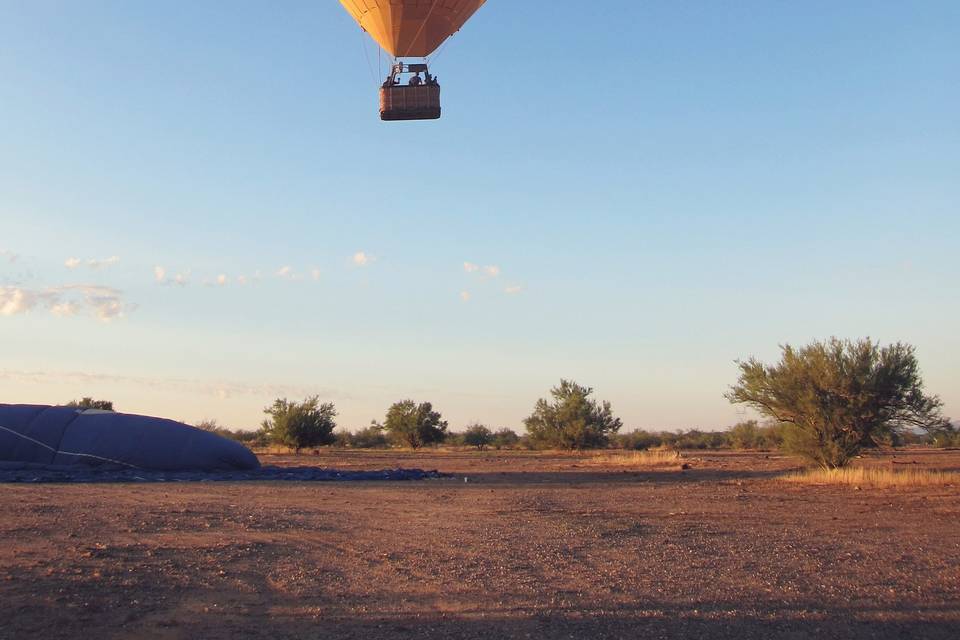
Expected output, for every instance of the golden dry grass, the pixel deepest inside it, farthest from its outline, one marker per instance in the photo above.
(870, 477)
(652, 458)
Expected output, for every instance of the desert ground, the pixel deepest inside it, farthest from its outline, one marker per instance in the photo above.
(512, 545)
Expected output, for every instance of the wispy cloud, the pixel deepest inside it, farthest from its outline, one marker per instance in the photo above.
(160, 275)
(8, 256)
(362, 259)
(106, 303)
(490, 270)
(106, 262)
(286, 272)
(93, 263)
(65, 309)
(465, 296)
(315, 273)
(513, 289)
(215, 388)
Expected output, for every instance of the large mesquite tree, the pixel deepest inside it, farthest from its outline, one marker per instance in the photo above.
(838, 396)
(414, 425)
(572, 420)
(300, 424)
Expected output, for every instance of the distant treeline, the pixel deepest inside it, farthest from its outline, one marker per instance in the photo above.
(748, 435)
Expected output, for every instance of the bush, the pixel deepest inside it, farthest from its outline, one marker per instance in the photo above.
(572, 420)
(370, 438)
(478, 436)
(837, 397)
(414, 425)
(300, 424)
(639, 440)
(89, 403)
(505, 438)
(246, 437)
(946, 437)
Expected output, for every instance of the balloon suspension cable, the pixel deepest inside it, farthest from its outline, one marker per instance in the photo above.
(436, 54)
(366, 55)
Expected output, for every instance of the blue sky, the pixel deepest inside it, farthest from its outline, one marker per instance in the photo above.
(658, 189)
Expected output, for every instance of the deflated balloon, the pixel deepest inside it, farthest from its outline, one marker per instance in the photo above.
(411, 27)
(41, 435)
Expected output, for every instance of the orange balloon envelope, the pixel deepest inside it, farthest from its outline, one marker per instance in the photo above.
(411, 27)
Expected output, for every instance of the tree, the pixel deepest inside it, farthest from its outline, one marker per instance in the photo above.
(300, 424)
(573, 420)
(89, 403)
(414, 425)
(838, 396)
(478, 436)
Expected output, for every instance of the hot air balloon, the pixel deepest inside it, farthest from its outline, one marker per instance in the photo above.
(410, 28)
(42, 436)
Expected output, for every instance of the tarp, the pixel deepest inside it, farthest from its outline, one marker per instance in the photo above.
(21, 473)
(42, 436)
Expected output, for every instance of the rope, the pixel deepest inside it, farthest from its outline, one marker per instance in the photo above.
(439, 51)
(67, 453)
(363, 45)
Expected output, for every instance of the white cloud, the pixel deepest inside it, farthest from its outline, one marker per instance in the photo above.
(315, 273)
(285, 271)
(162, 276)
(242, 280)
(513, 289)
(9, 256)
(106, 262)
(106, 303)
(93, 263)
(465, 296)
(362, 259)
(14, 301)
(222, 280)
(490, 270)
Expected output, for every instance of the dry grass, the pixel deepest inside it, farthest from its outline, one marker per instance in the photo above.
(652, 458)
(869, 477)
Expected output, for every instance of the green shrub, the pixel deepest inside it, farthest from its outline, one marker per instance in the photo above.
(300, 424)
(477, 435)
(572, 420)
(414, 425)
(505, 439)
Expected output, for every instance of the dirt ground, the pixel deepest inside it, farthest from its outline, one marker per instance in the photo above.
(529, 546)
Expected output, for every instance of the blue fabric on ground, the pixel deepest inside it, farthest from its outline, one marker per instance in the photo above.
(34, 473)
(62, 437)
